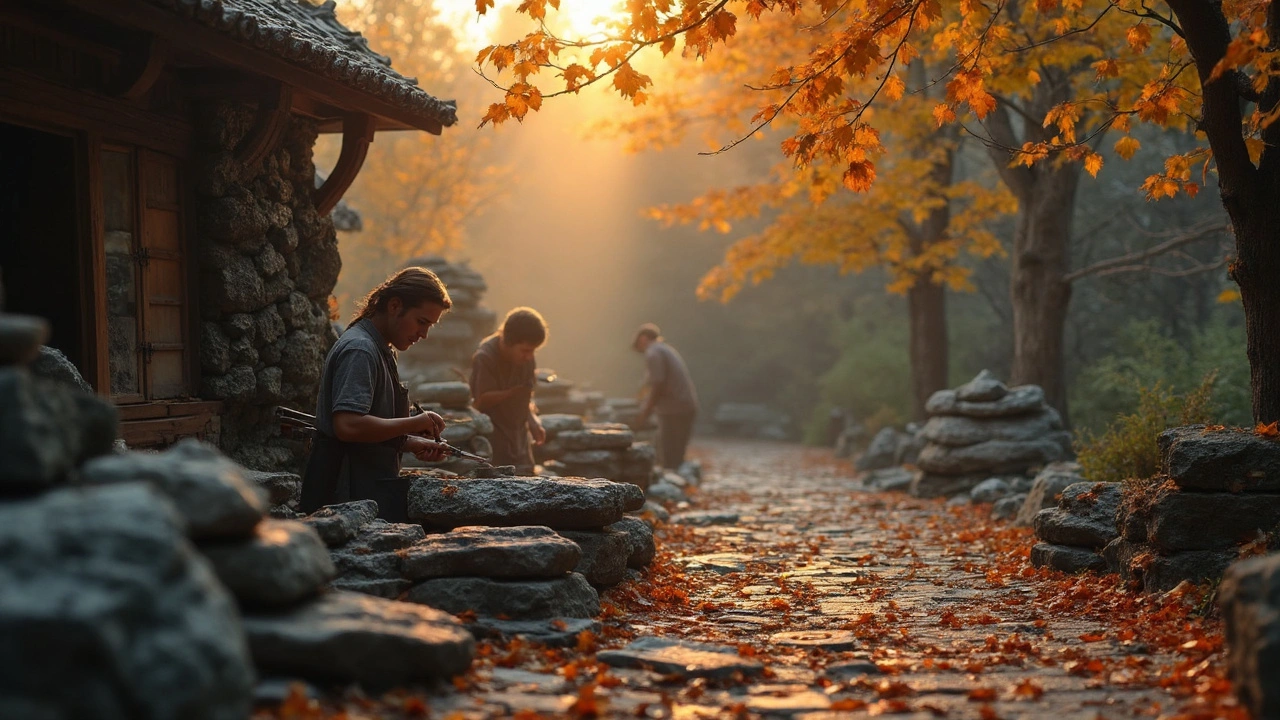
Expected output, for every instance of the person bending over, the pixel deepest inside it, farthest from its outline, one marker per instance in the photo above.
(671, 395)
(502, 381)
(363, 423)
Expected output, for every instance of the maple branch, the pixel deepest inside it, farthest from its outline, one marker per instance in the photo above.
(1150, 14)
(1069, 33)
(1000, 129)
(1131, 262)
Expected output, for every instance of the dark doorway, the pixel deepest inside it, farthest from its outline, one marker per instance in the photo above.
(39, 258)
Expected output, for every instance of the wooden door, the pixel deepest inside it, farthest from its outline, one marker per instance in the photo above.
(164, 291)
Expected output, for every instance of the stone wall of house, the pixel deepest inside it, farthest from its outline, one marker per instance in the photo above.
(268, 263)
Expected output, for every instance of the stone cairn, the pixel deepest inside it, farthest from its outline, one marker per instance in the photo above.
(447, 357)
(598, 450)
(139, 560)
(1073, 534)
(1219, 489)
(984, 429)
(516, 556)
(555, 395)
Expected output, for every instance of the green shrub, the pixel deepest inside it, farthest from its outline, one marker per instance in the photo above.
(1127, 449)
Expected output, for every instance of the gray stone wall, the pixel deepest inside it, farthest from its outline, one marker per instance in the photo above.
(268, 263)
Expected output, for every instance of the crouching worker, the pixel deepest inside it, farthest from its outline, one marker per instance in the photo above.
(502, 380)
(362, 411)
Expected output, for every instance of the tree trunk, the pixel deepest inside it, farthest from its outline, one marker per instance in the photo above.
(1038, 286)
(927, 303)
(1255, 217)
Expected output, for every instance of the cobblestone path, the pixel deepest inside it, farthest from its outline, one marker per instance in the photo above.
(860, 604)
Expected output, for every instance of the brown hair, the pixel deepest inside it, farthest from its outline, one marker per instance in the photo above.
(524, 325)
(413, 286)
(648, 330)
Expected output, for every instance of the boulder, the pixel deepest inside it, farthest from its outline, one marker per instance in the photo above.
(984, 387)
(931, 485)
(1228, 460)
(371, 573)
(569, 596)
(991, 490)
(604, 555)
(1048, 484)
(1067, 558)
(341, 523)
(108, 612)
(594, 437)
(283, 488)
(671, 656)
(889, 479)
(494, 552)
(556, 423)
(1249, 597)
(558, 503)
(959, 431)
(1158, 571)
(453, 395)
(639, 540)
(209, 490)
(283, 563)
(1007, 508)
(992, 456)
(51, 364)
(882, 451)
(47, 429)
(1209, 521)
(1019, 400)
(348, 637)
(664, 491)
(1085, 517)
(638, 462)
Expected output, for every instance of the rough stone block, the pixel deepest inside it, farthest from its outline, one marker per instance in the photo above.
(1066, 558)
(569, 596)
(1210, 521)
(528, 552)
(1250, 601)
(283, 563)
(558, 503)
(1230, 460)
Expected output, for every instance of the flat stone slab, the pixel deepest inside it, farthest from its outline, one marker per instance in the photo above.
(851, 669)
(832, 640)
(283, 563)
(1019, 400)
(524, 552)
(558, 503)
(984, 387)
(349, 637)
(570, 596)
(1067, 558)
(707, 517)
(341, 523)
(990, 457)
(671, 656)
(557, 632)
(596, 438)
(959, 431)
(556, 423)
(1228, 460)
(604, 555)
(208, 488)
(719, 563)
(889, 479)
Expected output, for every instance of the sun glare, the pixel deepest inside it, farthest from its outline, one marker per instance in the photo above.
(574, 19)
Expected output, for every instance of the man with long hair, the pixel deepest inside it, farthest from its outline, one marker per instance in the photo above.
(502, 380)
(363, 423)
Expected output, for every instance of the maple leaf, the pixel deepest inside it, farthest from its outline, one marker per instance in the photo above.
(1269, 430)
(1126, 146)
(1139, 37)
(483, 5)
(982, 694)
(628, 82)
(1093, 163)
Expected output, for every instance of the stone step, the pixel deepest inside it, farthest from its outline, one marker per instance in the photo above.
(570, 596)
(558, 503)
(524, 552)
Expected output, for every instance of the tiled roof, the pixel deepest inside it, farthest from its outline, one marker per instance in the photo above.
(310, 37)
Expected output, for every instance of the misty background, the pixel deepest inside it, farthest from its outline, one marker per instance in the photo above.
(551, 214)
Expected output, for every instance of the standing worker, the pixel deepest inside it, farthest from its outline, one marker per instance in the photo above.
(363, 423)
(671, 395)
(502, 381)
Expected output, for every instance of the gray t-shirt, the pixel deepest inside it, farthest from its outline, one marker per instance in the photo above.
(669, 381)
(360, 376)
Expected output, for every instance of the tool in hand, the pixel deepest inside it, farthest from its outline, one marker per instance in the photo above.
(306, 423)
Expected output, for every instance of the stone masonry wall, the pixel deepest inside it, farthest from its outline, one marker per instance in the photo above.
(268, 264)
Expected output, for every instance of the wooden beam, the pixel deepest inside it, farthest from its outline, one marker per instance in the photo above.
(141, 70)
(215, 44)
(357, 133)
(274, 113)
(93, 263)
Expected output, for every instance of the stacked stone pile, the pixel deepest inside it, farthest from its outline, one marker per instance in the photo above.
(594, 450)
(1219, 490)
(555, 395)
(1073, 534)
(524, 555)
(447, 357)
(626, 411)
(465, 427)
(983, 429)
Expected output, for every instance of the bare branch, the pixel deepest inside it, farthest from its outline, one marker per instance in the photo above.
(1137, 261)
